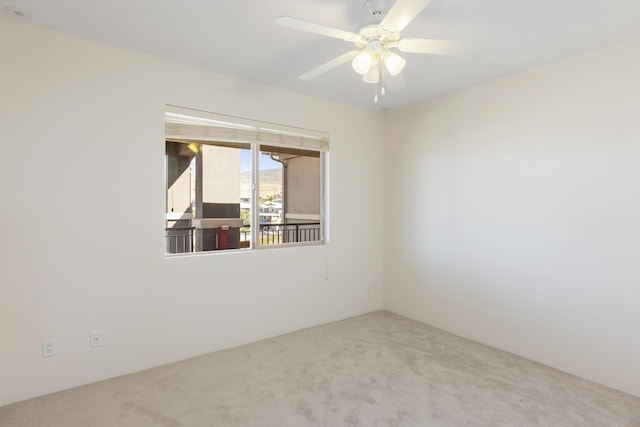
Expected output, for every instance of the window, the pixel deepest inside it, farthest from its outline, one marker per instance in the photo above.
(239, 184)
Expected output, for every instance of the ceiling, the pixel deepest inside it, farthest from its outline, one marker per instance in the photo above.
(239, 37)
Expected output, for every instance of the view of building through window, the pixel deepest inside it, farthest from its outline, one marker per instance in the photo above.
(216, 201)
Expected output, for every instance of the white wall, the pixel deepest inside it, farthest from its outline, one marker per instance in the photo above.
(82, 191)
(512, 214)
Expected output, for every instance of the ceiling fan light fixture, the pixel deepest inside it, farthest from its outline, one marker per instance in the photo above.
(394, 63)
(373, 75)
(362, 63)
(374, 38)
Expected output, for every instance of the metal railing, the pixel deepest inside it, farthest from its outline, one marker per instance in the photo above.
(182, 239)
(179, 240)
(273, 234)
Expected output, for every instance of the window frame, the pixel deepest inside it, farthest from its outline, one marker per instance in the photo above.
(229, 131)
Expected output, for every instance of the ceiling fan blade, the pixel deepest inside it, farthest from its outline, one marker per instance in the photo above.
(328, 66)
(395, 83)
(401, 13)
(299, 24)
(440, 47)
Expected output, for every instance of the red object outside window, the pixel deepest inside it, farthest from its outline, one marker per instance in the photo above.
(224, 237)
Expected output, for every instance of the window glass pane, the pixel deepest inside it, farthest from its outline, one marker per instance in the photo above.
(180, 166)
(290, 195)
(206, 191)
(270, 201)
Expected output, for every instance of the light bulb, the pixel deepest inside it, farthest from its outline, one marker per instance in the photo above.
(372, 76)
(394, 63)
(362, 63)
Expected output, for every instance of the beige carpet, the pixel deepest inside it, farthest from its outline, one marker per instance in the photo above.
(379, 369)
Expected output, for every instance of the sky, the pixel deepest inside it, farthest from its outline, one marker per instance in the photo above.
(265, 161)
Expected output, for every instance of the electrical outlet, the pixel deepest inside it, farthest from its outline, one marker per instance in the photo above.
(95, 338)
(369, 287)
(49, 347)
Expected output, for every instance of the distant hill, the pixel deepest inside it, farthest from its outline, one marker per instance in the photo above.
(270, 182)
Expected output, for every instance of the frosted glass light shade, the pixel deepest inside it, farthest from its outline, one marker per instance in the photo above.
(362, 63)
(394, 63)
(372, 76)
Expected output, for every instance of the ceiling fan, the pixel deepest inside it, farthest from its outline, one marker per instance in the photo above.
(375, 40)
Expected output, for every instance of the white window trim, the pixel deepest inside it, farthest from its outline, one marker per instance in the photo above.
(181, 123)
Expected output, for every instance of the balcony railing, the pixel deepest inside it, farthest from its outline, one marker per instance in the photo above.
(273, 234)
(182, 239)
(179, 240)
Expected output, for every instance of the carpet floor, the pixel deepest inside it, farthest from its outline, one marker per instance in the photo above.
(379, 369)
